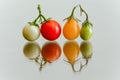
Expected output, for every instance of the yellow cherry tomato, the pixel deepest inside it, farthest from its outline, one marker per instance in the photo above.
(71, 51)
(71, 29)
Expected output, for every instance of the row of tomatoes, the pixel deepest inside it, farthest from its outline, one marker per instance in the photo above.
(51, 29)
(51, 51)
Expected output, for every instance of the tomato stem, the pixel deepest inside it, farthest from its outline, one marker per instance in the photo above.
(40, 17)
(40, 13)
(82, 10)
(73, 10)
(36, 19)
(39, 9)
(72, 14)
(42, 64)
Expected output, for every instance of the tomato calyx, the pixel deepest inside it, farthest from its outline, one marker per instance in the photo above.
(72, 15)
(87, 23)
(33, 24)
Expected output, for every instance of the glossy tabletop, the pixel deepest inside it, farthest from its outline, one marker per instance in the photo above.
(23, 60)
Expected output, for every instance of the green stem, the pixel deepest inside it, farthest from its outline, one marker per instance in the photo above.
(42, 16)
(39, 9)
(36, 19)
(73, 10)
(72, 14)
(81, 9)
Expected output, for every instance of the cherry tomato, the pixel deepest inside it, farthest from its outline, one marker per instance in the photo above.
(71, 51)
(31, 50)
(51, 52)
(50, 30)
(31, 32)
(86, 49)
(71, 29)
(86, 31)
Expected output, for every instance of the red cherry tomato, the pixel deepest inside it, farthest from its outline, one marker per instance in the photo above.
(50, 30)
(51, 52)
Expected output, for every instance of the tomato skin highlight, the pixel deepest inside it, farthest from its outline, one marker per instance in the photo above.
(51, 52)
(71, 29)
(50, 30)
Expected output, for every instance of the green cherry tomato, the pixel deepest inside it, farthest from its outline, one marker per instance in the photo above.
(31, 32)
(86, 30)
(86, 49)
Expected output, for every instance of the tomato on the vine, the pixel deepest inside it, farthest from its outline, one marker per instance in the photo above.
(50, 30)
(86, 30)
(71, 29)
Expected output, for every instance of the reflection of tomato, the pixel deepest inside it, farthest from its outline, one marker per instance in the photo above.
(86, 49)
(71, 29)
(71, 51)
(51, 51)
(31, 50)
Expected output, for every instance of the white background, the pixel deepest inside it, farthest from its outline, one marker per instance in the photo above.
(105, 16)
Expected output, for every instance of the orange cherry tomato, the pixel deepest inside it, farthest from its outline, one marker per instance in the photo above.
(51, 51)
(71, 29)
(71, 51)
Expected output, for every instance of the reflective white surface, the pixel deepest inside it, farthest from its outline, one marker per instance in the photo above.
(104, 64)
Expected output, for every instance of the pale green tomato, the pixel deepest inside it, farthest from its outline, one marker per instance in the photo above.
(86, 49)
(86, 31)
(31, 50)
(31, 32)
